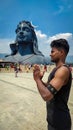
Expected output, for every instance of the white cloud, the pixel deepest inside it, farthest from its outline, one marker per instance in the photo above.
(4, 45)
(65, 6)
(40, 34)
(61, 35)
(60, 10)
(43, 42)
(67, 36)
(70, 6)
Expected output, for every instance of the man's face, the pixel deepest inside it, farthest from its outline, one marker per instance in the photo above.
(24, 33)
(55, 54)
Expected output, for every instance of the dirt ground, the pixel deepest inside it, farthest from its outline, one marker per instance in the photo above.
(21, 106)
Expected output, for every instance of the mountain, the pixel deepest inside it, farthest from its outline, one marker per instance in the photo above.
(69, 58)
(2, 55)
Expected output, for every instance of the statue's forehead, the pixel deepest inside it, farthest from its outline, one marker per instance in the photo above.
(23, 25)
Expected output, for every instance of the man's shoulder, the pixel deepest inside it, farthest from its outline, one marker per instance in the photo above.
(63, 71)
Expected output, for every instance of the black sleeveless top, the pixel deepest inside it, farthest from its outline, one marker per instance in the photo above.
(57, 109)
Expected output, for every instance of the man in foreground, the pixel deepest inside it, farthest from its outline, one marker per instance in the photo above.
(57, 89)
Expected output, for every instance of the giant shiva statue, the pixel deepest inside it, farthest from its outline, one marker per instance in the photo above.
(25, 49)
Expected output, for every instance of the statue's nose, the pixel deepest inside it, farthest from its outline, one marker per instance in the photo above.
(21, 33)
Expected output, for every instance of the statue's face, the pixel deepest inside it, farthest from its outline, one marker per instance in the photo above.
(24, 33)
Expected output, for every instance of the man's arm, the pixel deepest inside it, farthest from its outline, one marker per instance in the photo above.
(60, 79)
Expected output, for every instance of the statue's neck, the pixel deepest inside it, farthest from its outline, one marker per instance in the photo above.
(25, 48)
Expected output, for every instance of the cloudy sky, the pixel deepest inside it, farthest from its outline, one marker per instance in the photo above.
(53, 19)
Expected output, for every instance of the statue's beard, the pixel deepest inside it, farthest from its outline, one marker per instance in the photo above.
(23, 40)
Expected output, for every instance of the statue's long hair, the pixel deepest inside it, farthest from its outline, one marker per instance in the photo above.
(34, 37)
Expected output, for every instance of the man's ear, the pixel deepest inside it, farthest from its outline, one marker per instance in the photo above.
(63, 52)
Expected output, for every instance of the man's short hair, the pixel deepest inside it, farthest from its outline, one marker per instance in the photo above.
(60, 44)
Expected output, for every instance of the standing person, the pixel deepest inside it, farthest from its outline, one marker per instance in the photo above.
(57, 89)
(16, 70)
(45, 68)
